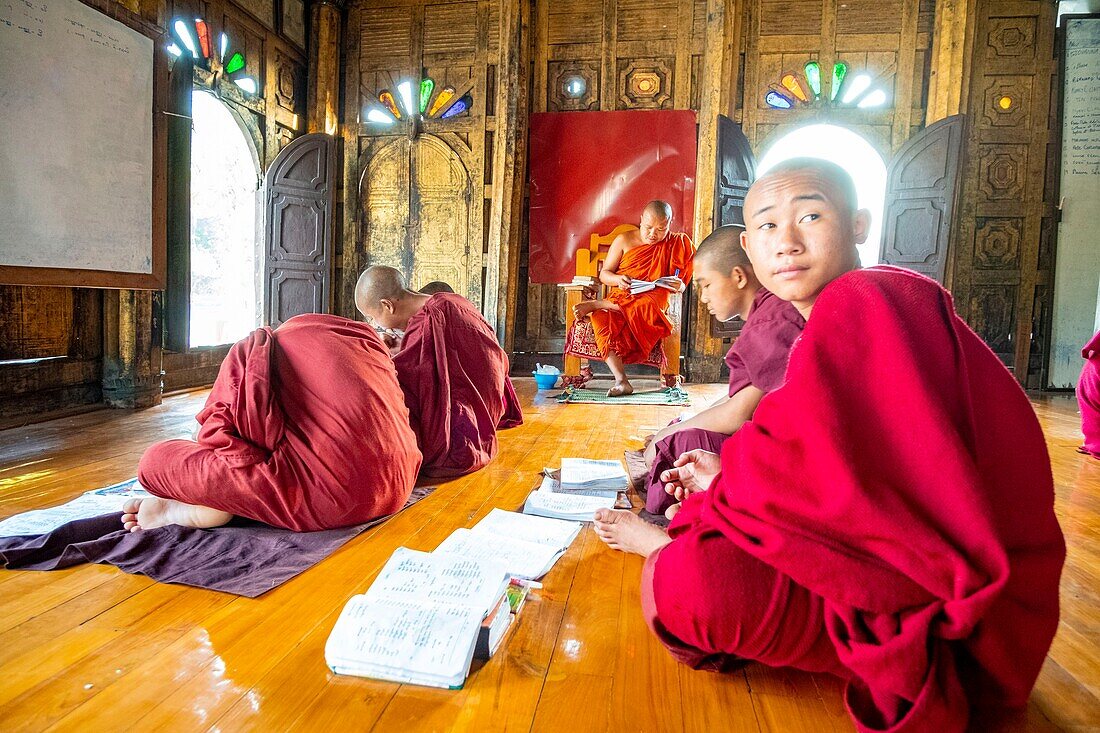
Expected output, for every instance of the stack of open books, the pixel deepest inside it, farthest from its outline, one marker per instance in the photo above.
(426, 614)
(581, 487)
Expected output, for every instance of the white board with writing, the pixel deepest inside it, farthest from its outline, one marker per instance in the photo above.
(1077, 267)
(76, 139)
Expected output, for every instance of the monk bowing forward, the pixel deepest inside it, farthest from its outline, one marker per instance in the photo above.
(304, 429)
(627, 327)
(452, 371)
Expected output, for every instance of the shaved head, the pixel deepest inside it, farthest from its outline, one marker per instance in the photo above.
(722, 251)
(378, 283)
(436, 286)
(838, 178)
(659, 209)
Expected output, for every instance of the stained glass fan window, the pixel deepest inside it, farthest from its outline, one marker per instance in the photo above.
(804, 89)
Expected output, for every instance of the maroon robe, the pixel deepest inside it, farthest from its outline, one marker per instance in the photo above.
(1088, 397)
(887, 516)
(758, 357)
(305, 429)
(455, 379)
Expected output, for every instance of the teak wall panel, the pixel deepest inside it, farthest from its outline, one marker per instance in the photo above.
(1002, 249)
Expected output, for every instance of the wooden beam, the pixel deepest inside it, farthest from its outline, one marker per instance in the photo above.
(322, 99)
(949, 77)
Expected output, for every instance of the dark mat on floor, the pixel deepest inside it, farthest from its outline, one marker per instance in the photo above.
(245, 558)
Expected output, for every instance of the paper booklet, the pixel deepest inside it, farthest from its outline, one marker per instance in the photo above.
(585, 474)
(523, 544)
(545, 502)
(95, 503)
(419, 621)
(669, 282)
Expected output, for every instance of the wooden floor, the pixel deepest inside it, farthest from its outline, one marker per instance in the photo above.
(92, 648)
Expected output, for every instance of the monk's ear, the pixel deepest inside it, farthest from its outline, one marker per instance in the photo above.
(740, 277)
(387, 306)
(861, 225)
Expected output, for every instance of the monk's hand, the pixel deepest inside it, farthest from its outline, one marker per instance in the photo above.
(393, 343)
(622, 281)
(693, 472)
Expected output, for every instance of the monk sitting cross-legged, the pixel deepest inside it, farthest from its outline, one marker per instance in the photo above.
(728, 286)
(452, 371)
(304, 429)
(887, 515)
(627, 327)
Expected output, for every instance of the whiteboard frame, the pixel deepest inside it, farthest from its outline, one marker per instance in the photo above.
(69, 277)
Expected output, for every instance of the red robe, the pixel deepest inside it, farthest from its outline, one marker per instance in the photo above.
(633, 332)
(455, 379)
(887, 516)
(304, 429)
(759, 358)
(1088, 397)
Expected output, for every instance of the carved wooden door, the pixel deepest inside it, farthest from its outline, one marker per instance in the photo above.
(922, 189)
(736, 170)
(416, 204)
(299, 228)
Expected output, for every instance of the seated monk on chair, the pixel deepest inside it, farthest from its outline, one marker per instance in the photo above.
(627, 327)
(304, 429)
(887, 516)
(728, 286)
(452, 371)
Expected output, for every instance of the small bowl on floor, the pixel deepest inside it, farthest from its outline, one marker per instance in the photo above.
(545, 381)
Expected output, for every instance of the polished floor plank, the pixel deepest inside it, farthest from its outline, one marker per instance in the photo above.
(85, 648)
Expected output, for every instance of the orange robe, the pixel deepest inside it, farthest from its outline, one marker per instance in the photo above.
(633, 332)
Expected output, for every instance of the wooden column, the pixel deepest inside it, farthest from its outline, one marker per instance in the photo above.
(718, 81)
(323, 96)
(132, 350)
(509, 156)
(949, 77)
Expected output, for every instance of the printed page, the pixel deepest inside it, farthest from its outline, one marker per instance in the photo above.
(420, 577)
(403, 640)
(521, 558)
(573, 506)
(587, 470)
(556, 533)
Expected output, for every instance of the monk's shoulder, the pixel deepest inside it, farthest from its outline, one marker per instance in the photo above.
(628, 240)
(885, 287)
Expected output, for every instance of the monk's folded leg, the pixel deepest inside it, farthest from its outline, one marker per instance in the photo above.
(715, 606)
(668, 450)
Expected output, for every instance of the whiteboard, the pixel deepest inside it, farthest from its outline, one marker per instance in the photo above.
(76, 147)
(1077, 266)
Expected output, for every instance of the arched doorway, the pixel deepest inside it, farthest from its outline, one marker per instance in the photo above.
(845, 148)
(225, 259)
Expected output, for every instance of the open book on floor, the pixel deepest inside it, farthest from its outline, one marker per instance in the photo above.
(419, 621)
(587, 474)
(527, 546)
(578, 507)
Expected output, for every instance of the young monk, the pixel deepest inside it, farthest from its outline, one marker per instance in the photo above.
(757, 360)
(627, 327)
(1088, 397)
(452, 372)
(887, 514)
(304, 429)
(436, 286)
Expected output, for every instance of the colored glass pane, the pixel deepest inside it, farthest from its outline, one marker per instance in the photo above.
(462, 105)
(235, 64)
(247, 83)
(855, 88)
(777, 101)
(174, 50)
(380, 116)
(876, 98)
(441, 100)
(426, 87)
(791, 84)
(391, 104)
(813, 76)
(223, 46)
(840, 71)
(204, 37)
(405, 92)
(187, 38)
(1004, 102)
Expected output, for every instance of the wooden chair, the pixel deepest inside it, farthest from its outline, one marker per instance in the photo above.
(587, 286)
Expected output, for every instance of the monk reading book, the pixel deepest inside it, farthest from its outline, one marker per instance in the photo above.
(452, 371)
(887, 515)
(627, 326)
(304, 429)
(757, 360)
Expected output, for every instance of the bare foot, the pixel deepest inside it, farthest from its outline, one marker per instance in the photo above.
(155, 512)
(621, 389)
(626, 531)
